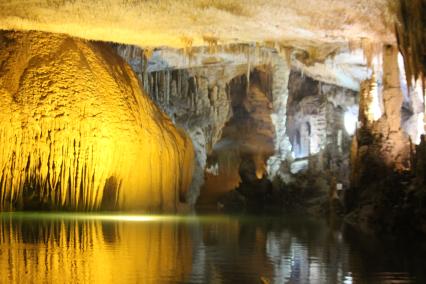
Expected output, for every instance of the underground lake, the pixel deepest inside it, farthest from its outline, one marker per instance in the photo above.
(212, 141)
(112, 248)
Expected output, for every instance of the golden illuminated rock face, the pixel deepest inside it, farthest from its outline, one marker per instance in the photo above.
(77, 132)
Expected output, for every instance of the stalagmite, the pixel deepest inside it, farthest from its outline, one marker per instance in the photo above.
(381, 146)
(77, 132)
(281, 73)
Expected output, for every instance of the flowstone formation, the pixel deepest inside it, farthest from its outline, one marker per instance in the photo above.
(78, 133)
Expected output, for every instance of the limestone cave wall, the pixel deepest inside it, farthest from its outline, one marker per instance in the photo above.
(194, 89)
(321, 118)
(381, 145)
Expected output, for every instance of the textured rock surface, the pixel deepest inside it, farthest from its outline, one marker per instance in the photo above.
(197, 95)
(195, 91)
(320, 143)
(331, 41)
(328, 37)
(317, 26)
(280, 75)
(248, 135)
(316, 115)
(381, 146)
(346, 68)
(383, 194)
(77, 132)
(411, 34)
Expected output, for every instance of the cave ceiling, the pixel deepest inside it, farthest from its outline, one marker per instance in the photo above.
(315, 29)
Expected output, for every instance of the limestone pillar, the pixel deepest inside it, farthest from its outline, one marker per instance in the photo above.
(380, 146)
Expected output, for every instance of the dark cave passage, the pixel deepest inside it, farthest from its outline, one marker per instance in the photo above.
(247, 138)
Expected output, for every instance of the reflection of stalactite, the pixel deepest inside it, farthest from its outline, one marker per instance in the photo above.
(74, 125)
(93, 251)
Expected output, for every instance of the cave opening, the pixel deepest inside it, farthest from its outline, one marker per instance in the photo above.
(247, 139)
(317, 125)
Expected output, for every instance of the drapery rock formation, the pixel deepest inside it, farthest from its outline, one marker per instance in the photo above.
(77, 132)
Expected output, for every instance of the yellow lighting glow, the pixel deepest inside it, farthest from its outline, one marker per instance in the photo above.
(77, 132)
(93, 250)
(115, 217)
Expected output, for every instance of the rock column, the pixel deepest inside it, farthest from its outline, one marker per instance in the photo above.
(380, 147)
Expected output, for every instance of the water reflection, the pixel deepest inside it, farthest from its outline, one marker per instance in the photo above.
(92, 251)
(71, 248)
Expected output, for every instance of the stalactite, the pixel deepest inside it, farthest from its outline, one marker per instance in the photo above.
(75, 120)
(157, 98)
(248, 71)
(167, 87)
(280, 73)
(194, 95)
(411, 34)
(179, 83)
(202, 104)
(145, 75)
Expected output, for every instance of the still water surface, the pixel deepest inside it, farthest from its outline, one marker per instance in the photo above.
(78, 248)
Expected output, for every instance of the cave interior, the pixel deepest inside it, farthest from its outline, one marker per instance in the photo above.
(220, 105)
